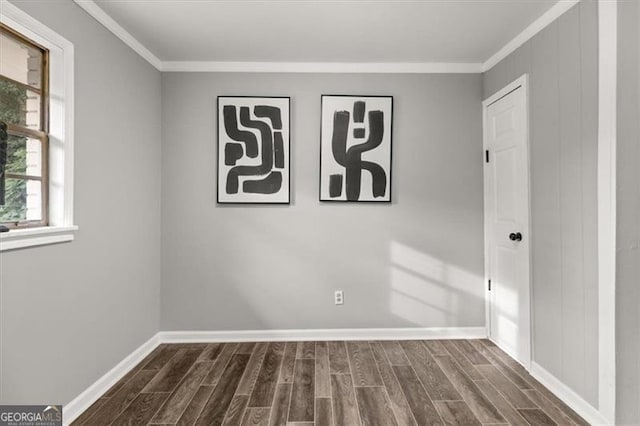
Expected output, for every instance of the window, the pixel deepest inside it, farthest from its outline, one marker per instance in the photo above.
(36, 103)
(24, 105)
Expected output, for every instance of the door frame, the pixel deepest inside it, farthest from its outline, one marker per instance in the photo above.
(522, 81)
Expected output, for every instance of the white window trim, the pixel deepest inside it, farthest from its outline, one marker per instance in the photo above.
(61, 84)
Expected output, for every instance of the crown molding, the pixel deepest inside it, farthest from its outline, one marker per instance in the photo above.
(536, 26)
(101, 16)
(325, 67)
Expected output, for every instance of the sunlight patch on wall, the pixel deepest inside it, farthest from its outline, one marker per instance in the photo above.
(425, 289)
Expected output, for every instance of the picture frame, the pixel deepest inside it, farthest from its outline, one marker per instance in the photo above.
(253, 150)
(356, 148)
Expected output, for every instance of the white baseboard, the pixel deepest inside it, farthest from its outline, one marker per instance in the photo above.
(324, 334)
(72, 410)
(568, 396)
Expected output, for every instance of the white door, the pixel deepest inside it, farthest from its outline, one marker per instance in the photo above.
(507, 235)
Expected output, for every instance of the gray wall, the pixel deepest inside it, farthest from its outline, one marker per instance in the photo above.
(562, 64)
(415, 263)
(71, 312)
(628, 222)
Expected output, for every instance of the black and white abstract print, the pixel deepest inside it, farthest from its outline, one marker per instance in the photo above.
(253, 150)
(355, 159)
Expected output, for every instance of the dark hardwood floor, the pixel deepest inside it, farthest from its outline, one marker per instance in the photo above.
(433, 382)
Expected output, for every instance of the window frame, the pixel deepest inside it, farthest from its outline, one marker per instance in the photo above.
(41, 135)
(61, 227)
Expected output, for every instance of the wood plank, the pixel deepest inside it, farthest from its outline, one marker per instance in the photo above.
(220, 364)
(82, 418)
(216, 407)
(394, 353)
(265, 387)
(345, 410)
(302, 393)
(396, 396)
(288, 362)
(306, 350)
(488, 343)
(435, 347)
(378, 352)
(236, 410)
(174, 370)
(549, 408)
(338, 359)
(323, 381)
(280, 407)
(456, 413)
(506, 410)
(536, 417)
(253, 368)
(324, 415)
(121, 399)
(363, 365)
(256, 416)
(515, 366)
(506, 387)
(194, 346)
(195, 407)
(432, 377)
(516, 378)
(211, 352)
(245, 348)
(470, 352)
(174, 406)
(140, 411)
(375, 408)
(150, 360)
(421, 406)
(464, 363)
(483, 409)
(161, 357)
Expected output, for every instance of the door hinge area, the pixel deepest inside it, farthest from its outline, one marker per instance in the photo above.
(489, 285)
(486, 156)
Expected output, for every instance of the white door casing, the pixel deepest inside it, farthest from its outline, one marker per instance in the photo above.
(507, 224)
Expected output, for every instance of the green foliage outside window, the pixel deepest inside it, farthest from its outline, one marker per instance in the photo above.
(12, 106)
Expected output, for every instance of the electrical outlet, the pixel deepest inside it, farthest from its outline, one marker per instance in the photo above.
(338, 297)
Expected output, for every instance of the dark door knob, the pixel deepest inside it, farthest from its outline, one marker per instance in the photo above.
(515, 236)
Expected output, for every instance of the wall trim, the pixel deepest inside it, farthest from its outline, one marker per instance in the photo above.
(108, 22)
(536, 26)
(607, 128)
(325, 67)
(82, 402)
(568, 396)
(324, 334)
(101, 16)
(78, 405)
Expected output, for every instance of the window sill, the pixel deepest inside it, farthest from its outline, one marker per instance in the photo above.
(23, 238)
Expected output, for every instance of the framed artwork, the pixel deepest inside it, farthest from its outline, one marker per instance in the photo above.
(355, 148)
(253, 150)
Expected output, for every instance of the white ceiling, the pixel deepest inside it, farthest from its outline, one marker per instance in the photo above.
(386, 31)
